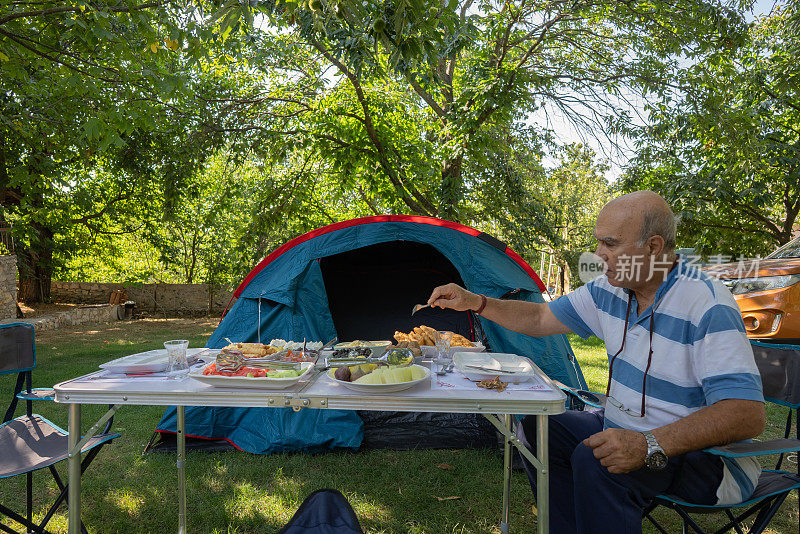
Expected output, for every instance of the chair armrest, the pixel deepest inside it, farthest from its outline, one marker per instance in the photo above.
(580, 397)
(756, 448)
(46, 394)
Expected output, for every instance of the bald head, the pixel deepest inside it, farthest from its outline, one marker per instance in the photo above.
(649, 212)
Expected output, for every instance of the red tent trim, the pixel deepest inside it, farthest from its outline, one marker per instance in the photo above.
(376, 219)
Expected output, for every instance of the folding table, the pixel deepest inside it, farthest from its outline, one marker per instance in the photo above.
(320, 392)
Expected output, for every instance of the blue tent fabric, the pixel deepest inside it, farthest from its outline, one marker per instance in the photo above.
(272, 430)
(287, 299)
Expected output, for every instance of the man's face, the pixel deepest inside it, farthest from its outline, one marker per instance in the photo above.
(617, 231)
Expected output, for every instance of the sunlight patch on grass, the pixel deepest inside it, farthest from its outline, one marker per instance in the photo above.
(126, 501)
(368, 510)
(214, 483)
(251, 502)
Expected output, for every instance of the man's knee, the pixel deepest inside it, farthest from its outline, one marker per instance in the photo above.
(584, 464)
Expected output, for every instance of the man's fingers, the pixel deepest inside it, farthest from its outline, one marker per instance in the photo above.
(603, 451)
(595, 440)
(440, 293)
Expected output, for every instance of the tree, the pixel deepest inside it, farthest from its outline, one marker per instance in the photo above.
(75, 84)
(727, 155)
(100, 111)
(465, 70)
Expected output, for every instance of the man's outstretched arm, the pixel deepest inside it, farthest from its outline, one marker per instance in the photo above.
(530, 318)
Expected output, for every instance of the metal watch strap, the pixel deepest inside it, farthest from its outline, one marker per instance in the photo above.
(654, 451)
(652, 442)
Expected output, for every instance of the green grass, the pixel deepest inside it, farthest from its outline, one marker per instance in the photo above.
(234, 492)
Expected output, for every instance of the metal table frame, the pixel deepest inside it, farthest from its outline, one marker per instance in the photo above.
(316, 392)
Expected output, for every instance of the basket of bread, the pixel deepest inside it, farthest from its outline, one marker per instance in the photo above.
(425, 337)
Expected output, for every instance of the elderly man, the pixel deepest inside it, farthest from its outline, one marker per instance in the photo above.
(681, 377)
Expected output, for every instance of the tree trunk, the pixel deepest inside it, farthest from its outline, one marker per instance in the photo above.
(35, 267)
(451, 188)
(563, 278)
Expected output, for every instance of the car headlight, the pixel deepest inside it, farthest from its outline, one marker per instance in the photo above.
(762, 283)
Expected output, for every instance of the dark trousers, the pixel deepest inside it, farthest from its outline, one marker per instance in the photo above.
(585, 498)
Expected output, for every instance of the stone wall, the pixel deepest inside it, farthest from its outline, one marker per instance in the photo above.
(8, 286)
(98, 313)
(153, 298)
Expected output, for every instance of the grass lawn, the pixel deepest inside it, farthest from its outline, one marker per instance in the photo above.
(234, 492)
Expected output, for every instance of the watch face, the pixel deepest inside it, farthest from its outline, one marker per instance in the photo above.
(656, 460)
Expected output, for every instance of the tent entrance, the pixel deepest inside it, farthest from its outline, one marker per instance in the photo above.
(372, 289)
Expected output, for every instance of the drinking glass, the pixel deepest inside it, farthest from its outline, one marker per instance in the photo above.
(443, 340)
(177, 364)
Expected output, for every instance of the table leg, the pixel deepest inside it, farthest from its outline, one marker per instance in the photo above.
(74, 470)
(181, 469)
(542, 475)
(505, 520)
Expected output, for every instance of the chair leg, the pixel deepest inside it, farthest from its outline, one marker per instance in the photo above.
(647, 513)
(30, 526)
(688, 522)
(734, 522)
(29, 496)
(87, 459)
(765, 515)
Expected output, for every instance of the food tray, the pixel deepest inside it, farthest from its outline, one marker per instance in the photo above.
(378, 347)
(381, 388)
(522, 368)
(250, 382)
(151, 361)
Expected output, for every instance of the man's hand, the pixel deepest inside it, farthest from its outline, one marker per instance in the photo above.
(619, 450)
(455, 297)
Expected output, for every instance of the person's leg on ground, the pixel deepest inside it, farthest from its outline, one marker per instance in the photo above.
(607, 502)
(586, 498)
(566, 431)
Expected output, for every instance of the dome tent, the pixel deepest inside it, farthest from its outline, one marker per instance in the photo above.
(359, 279)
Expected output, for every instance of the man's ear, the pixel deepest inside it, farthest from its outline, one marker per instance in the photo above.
(655, 245)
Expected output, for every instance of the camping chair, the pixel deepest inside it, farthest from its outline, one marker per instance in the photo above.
(31, 442)
(779, 366)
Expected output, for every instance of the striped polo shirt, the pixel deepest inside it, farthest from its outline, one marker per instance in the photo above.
(701, 355)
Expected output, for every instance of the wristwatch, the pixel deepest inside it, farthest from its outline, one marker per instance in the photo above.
(656, 458)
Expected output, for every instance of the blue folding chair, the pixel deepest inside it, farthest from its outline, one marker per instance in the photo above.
(779, 366)
(30, 442)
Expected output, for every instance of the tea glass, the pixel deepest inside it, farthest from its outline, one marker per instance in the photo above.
(442, 339)
(177, 363)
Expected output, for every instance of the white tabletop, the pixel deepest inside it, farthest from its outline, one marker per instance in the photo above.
(316, 391)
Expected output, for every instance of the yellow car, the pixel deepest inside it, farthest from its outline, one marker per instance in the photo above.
(768, 293)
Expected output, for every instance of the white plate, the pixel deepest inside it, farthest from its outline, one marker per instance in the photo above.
(151, 361)
(521, 367)
(248, 382)
(429, 351)
(381, 388)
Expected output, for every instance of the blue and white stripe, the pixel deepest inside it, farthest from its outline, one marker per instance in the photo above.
(701, 355)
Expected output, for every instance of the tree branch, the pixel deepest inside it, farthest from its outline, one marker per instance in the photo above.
(75, 9)
(412, 198)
